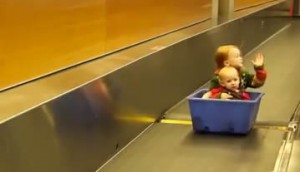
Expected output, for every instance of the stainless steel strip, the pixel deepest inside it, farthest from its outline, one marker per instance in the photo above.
(284, 155)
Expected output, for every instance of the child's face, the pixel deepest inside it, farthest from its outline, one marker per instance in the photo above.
(231, 81)
(234, 58)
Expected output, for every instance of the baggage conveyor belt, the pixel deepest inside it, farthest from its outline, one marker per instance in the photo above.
(175, 148)
(171, 146)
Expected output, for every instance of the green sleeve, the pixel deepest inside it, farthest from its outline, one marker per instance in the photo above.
(214, 83)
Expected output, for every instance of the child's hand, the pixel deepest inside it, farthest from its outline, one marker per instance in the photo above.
(225, 96)
(206, 95)
(258, 61)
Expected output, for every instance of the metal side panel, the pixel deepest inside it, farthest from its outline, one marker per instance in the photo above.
(74, 133)
(80, 130)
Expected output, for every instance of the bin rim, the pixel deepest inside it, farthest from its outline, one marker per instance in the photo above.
(192, 97)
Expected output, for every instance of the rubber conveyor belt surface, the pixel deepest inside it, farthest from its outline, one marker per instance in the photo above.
(174, 148)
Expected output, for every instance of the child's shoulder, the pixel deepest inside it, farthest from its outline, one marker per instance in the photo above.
(244, 70)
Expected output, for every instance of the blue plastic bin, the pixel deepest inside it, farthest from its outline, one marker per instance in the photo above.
(223, 116)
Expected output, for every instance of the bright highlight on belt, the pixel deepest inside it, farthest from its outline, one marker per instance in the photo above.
(176, 121)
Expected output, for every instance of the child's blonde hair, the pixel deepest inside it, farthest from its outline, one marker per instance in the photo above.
(228, 71)
(222, 54)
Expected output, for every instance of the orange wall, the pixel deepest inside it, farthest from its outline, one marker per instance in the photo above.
(42, 36)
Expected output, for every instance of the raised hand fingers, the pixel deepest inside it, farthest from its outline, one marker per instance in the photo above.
(258, 60)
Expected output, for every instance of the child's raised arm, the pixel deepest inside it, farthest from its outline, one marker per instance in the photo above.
(260, 73)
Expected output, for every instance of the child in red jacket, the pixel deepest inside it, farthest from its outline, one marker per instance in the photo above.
(229, 88)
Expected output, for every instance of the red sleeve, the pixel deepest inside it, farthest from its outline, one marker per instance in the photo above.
(260, 73)
(215, 93)
(246, 96)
